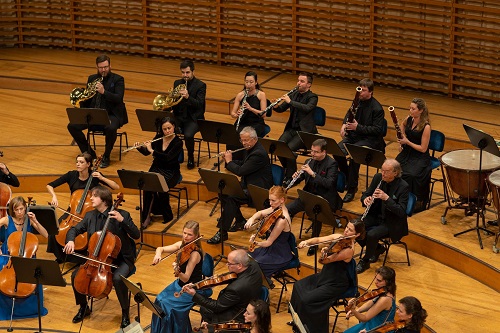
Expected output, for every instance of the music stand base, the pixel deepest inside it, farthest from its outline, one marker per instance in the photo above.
(141, 244)
(486, 231)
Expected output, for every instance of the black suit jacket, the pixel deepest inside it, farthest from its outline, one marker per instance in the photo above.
(303, 111)
(192, 108)
(391, 212)
(233, 299)
(254, 169)
(125, 230)
(114, 89)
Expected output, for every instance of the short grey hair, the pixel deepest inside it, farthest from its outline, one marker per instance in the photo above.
(250, 131)
(395, 166)
(241, 257)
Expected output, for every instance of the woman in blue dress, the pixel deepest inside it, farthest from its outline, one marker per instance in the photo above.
(23, 307)
(188, 269)
(375, 312)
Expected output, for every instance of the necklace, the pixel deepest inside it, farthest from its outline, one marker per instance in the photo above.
(18, 224)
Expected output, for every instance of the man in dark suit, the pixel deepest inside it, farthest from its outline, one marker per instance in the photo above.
(301, 103)
(232, 300)
(255, 169)
(388, 196)
(109, 96)
(320, 175)
(121, 225)
(367, 130)
(190, 108)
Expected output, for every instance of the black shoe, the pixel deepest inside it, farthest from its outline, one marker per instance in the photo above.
(379, 251)
(362, 266)
(217, 238)
(168, 218)
(125, 319)
(311, 251)
(83, 312)
(350, 195)
(237, 226)
(104, 162)
(190, 163)
(493, 223)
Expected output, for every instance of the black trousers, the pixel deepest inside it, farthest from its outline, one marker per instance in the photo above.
(110, 131)
(188, 128)
(297, 206)
(231, 210)
(292, 138)
(375, 231)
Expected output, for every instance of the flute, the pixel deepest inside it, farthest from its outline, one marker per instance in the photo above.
(371, 203)
(234, 151)
(144, 145)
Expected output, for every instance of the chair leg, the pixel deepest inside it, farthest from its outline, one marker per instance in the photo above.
(120, 152)
(301, 226)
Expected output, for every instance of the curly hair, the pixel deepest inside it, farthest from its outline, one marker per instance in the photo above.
(263, 315)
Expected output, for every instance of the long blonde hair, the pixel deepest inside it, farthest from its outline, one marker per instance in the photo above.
(424, 116)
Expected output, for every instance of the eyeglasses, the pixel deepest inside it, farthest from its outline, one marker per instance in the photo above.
(103, 67)
(231, 263)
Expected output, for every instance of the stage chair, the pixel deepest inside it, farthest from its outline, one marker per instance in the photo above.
(264, 294)
(283, 277)
(436, 143)
(207, 270)
(267, 129)
(94, 132)
(176, 192)
(351, 292)
(278, 174)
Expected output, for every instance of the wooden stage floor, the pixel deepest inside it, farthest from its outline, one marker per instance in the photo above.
(34, 88)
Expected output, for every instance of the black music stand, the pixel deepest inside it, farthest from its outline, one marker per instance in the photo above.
(150, 119)
(367, 156)
(318, 209)
(277, 148)
(141, 298)
(38, 271)
(224, 184)
(142, 181)
(484, 142)
(47, 217)
(260, 197)
(332, 146)
(88, 116)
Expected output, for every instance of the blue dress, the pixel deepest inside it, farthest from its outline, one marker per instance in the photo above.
(382, 317)
(276, 257)
(23, 307)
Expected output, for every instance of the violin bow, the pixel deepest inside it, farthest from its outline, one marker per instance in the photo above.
(176, 251)
(331, 241)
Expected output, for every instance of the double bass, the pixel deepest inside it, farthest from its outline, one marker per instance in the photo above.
(20, 244)
(80, 204)
(95, 278)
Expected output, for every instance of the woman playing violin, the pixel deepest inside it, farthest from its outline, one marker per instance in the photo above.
(273, 253)
(375, 312)
(23, 307)
(188, 269)
(313, 295)
(76, 180)
(259, 316)
(411, 312)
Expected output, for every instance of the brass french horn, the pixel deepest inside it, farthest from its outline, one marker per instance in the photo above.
(79, 94)
(171, 98)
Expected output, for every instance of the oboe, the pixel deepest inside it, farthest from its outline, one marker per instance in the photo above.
(294, 179)
(242, 109)
(277, 101)
(370, 204)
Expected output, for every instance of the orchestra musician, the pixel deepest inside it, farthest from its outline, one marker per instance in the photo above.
(387, 198)
(301, 103)
(255, 168)
(191, 107)
(109, 96)
(320, 175)
(8, 177)
(14, 221)
(414, 156)
(259, 316)
(232, 300)
(381, 309)
(120, 225)
(273, 253)
(367, 130)
(312, 296)
(177, 309)
(411, 312)
(76, 180)
(166, 154)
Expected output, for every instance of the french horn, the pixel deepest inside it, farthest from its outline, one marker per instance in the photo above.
(171, 98)
(79, 94)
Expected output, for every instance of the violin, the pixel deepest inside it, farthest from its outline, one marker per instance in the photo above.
(80, 204)
(209, 282)
(185, 251)
(231, 325)
(95, 278)
(20, 244)
(387, 327)
(265, 224)
(5, 196)
(336, 246)
(366, 297)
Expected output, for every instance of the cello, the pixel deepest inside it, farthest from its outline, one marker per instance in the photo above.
(21, 244)
(79, 205)
(95, 278)
(5, 196)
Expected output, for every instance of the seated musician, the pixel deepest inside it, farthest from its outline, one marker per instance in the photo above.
(76, 180)
(120, 225)
(414, 156)
(8, 177)
(301, 103)
(320, 175)
(259, 316)
(410, 313)
(255, 168)
(232, 300)
(165, 153)
(387, 197)
(377, 311)
(177, 309)
(273, 253)
(109, 96)
(23, 307)
(312, 296)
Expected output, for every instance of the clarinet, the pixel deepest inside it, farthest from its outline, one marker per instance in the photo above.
(371, 203)
(294, 179)
(242, 109)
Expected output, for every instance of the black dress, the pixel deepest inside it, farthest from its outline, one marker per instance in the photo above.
(416, 165)
(251, 119)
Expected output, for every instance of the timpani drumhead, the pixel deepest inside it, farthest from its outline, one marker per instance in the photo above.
(494, 180)
(468, 159)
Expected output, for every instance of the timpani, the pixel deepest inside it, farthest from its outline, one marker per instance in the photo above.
(494, 185)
